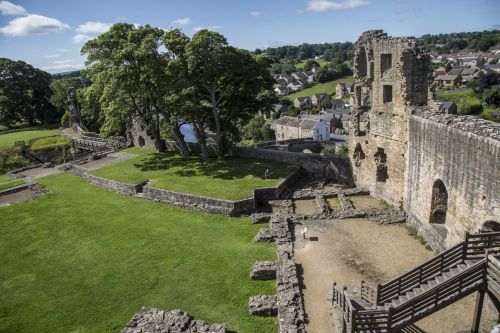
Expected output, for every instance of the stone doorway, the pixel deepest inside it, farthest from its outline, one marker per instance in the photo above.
(439, 203)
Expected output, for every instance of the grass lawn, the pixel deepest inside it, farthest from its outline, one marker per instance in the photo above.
(300, 65)
(89, 264)
(11, 183)
(51, 142)
(8, 140)
(464, 98)
(328, 87)
(232, 178)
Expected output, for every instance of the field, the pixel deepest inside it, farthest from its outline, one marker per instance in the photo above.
(89, 264)
(300, 65)
(51, 142)
(328, 88)
(232, 178)
(8, 140)
(465, 98)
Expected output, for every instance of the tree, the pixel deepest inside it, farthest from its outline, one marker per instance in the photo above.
(24, 94)
(310, 64)
(492, 96)
(257, 129)
(229, 79)
(130, 74)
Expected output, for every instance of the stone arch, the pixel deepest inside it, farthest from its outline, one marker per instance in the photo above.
(490, 226)
(142, 142)
(439, 203)
(361, 63)
(358, 155)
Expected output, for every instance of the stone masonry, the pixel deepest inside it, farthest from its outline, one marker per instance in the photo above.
(443, 170)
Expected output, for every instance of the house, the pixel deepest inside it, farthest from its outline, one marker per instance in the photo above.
(448, 107)
(344, 88)
(318, 98)
(469, 71)
(294, 128)
(456, 71)
(448, 80)
(301, 76)
(294, 85)
(495, 67)
(302, 102)
(326, 117)
(282, 90)
(278, 109)
(469, 61)
(440, 71)
(341, 119)
(338, 104)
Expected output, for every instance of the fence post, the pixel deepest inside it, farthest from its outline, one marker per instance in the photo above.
(377, 297)
(389, 319)
(465, 246)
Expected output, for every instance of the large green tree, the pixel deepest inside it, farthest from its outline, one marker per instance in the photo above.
(24, 94)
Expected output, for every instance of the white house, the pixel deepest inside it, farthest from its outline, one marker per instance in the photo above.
(294, 128)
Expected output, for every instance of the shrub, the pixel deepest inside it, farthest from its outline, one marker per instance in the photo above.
(10, 158)
(328, 150)
(343, 150)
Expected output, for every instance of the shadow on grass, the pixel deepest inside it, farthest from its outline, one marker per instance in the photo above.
(229, 168)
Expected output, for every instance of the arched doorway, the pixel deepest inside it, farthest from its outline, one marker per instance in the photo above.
(358, 155)
(490, 226)
(439, 203)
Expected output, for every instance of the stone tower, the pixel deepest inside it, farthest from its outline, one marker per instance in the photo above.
(392, 75)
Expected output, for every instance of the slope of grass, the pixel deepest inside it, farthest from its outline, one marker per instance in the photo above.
(89, 264)
(8, 140)
(465, 98)
(328, 88)
(51, 142)
(10, 183)
(232, 178)
(300, 65)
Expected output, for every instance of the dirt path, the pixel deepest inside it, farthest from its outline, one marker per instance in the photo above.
(351, 250)
(108, 160)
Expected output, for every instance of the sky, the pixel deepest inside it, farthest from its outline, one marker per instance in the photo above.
(49, 34)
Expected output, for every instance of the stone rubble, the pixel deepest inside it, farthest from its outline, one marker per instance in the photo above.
(263, 270)
(263, 305)
(152, 320)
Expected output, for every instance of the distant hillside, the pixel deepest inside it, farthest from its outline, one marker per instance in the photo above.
(62, 75)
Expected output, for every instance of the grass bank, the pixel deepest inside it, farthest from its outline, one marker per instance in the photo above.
(87, 265)
(8, 139)
(231, 178)
(328, 88)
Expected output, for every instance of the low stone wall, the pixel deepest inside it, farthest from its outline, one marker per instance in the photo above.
(264, 194)
(197, 202)
(334, 167)
(114, 186)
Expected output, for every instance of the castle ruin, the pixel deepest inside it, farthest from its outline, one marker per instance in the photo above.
(441, 169)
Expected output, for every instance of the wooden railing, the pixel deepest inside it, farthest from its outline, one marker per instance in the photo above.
(493, 275)
(368, 294)
(474, 247)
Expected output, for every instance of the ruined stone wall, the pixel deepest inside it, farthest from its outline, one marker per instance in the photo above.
(464, 153)
(138, 133)
(391, 74)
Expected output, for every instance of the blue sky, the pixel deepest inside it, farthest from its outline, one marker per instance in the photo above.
(49, 33)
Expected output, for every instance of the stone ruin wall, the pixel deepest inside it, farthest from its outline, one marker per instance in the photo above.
(467, 163)
(400, 149)
(138, 134)
(391, 74)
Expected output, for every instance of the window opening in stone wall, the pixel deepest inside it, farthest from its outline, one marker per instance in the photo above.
(385, 63)
(381, 174)
(439, 203)
(361, 63)
(387, 92)
(142, 142)
(358, 155)
(372, 70)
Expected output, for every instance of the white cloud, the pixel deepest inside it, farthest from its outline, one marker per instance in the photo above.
(32, 24)
(93, 28)
(89, 30)
(323, 5)
(255, 14)
(57, 55)
(80, 38)
(181, 21)
(210, 27)
(8, 8)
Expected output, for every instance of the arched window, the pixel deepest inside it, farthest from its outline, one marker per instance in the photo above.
(360, 62)
(358, 155)
(490, 226)
(439, 203)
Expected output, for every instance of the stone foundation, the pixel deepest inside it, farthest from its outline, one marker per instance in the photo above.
(263, 305)
(263, 270)
(151, 320)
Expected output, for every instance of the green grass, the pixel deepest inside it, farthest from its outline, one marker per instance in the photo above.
(300, 65)
(11, 183)
(232, 178)
(8, 140)
(89, 264)
(5, 178)
(328, 87)
(465, 98)
(50, 142)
